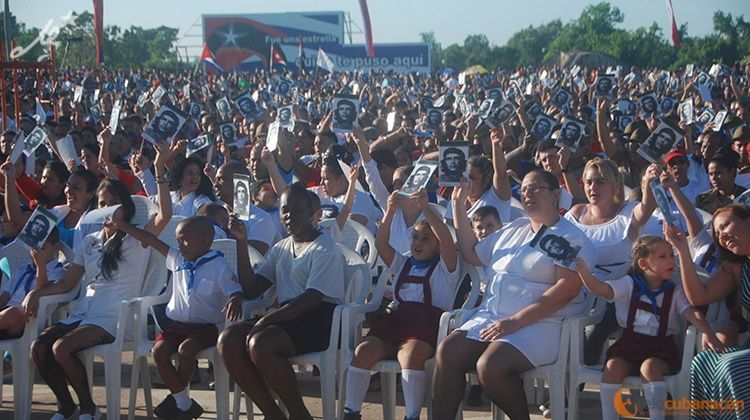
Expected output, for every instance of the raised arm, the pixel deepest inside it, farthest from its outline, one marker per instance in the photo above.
(383, 237)
(500, 181)
(694, 223)
(351, 189)
(464, 233)
(109, 168)
(145, 237)
(599, 288)
(643, 210)
(277, 181)
(252, 285)
(12, 202)
(602, 130)
(448, 251)
(723, 281)
(162, 187)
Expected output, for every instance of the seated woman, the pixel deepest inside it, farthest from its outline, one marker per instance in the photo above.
(723, 376)
(116, 265)
(79, 189)
(520, 323)
(306, 268)
(190, 187)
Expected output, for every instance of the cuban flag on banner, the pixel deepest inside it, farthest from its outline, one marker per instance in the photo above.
(278, 58)
(368, 29)
(207, 57)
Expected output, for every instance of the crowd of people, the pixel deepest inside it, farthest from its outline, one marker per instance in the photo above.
(577, 185)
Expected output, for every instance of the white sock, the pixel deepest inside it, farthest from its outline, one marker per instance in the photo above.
(414, 384)
(183, 400)
(656, 395)
(357, 382)
(607, 399)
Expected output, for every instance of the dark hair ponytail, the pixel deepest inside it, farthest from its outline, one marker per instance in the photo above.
(112, 249)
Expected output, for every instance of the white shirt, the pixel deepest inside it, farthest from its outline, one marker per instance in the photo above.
(318, 266)
(18, 291)
(260, 227)
(99, 302)
(646, 322)
(362, 206)
(377, 188)
(442, 283)
(489, 198)
(213, 283)
(186, 206)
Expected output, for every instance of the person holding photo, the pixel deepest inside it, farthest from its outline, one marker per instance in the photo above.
(488, 182)
(80, 188)
(648, 308)
(520, 323)
(115, 262)
(424, 288)
(612, 224)
(190, 187)
(43, 269)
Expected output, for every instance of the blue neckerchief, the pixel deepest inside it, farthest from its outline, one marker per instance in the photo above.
(27, 277)
(642, 289)
(193, 266)
(421, 264)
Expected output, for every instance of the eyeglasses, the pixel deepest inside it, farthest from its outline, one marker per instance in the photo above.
(534, 188)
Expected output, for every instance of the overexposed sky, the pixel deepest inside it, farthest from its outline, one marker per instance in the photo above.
(392, 20)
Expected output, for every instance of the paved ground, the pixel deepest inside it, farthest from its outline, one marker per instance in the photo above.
(44, 402)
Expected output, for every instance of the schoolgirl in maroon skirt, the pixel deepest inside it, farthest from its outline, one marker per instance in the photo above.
(423, 287)
(648, 308)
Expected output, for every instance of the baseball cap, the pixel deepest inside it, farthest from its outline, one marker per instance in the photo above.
(673, 154)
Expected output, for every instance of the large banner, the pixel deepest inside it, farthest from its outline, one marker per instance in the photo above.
(243, 42)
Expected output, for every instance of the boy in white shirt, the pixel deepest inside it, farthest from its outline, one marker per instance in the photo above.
(204, 287)
(44, 269)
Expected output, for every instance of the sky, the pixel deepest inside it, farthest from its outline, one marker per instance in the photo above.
(392, 20)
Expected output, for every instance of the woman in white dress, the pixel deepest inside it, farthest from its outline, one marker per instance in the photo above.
(612, 224)
(190, 187)
(519, 325)
(116, 265)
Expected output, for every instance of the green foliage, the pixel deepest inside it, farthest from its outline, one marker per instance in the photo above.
(597, 30)
(76, 45)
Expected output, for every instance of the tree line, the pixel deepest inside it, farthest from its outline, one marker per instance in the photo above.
(596, 30)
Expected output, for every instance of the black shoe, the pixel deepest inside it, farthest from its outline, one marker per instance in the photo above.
(166, 409)
(475, 396)
(193, 412)
(352, 415)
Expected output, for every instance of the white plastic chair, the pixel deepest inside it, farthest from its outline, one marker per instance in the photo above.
(153, 281)
(352, 328)
(355, 236)
(142, 345)
(553, 374)
(357, 286)
(19, 349)
(168, 235)
(145, 208)
(678, 385)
